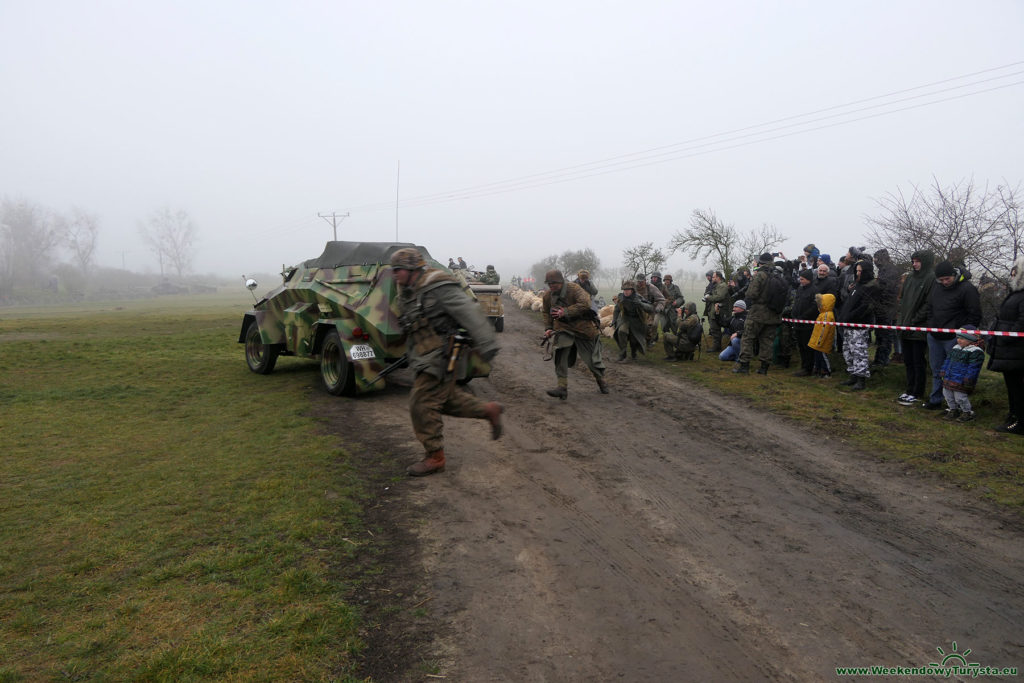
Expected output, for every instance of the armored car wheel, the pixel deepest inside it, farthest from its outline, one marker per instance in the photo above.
(335, 367)
(260, 357)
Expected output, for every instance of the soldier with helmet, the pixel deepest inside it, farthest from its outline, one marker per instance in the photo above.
(630, 321)
(654, 296)
(569, 319)
(434, 309)
(490, 276)
(675, 300)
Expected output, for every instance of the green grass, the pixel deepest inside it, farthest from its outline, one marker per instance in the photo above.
(165, 516)
(969, 455)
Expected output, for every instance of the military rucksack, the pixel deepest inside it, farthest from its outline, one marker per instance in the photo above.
(776, 293)
(695, 333)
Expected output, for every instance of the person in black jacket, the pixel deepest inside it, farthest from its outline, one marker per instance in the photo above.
(826, 282)
(1007, 353)
(804, 308)
(859, 307)
(735, 330)
(953, 303)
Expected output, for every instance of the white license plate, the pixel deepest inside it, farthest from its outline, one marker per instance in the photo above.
(362, 352)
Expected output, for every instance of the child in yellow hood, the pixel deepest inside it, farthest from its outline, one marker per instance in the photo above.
(823, 336)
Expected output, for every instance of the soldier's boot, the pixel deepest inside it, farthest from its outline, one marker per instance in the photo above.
(559, 392)
(763, 370)
(849, 381)
(742, 368)
(716, 344)
(493, 411)
(622, 355)
(433, 462)
(859, 385)
(689, 356)
(601, 384)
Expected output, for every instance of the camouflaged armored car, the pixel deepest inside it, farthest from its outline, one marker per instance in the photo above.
(340, 309)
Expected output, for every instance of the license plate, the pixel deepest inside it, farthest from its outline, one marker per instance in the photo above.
(362, 352)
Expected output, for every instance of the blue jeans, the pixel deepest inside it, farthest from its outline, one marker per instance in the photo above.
(938, 349)
(732, 351)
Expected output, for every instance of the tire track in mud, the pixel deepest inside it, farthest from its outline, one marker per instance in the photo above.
(665, 532)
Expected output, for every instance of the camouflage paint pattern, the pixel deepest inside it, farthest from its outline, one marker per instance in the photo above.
(322, 294)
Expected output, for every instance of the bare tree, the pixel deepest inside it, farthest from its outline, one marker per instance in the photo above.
(757, 242)
(643, 258)
(572, 262)
(710, 239)
(80, 238)
(170, 236)
(29, 234)
(976, 227)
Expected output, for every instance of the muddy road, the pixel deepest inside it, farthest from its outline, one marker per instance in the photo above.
(663, 532)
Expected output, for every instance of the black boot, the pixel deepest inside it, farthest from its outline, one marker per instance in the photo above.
(763, 370)
(858, 384)
(622, 356)
(849, 381)
(602, 385)
(742, 368)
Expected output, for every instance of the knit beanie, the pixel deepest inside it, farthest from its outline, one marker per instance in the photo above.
(740, 303)
(944, 269)
(807, 275)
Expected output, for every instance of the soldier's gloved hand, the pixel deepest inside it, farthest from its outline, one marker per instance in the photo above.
(489, 354)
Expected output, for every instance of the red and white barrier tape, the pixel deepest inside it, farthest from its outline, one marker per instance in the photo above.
(950, 330)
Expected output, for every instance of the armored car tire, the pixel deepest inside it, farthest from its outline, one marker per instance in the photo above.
(335, 367)
(260, 357)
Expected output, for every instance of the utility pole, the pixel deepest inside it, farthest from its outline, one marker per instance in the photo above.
(335, 219)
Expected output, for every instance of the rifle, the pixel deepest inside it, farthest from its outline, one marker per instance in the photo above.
(400, 363)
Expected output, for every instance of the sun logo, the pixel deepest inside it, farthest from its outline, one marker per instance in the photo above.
(954, 658)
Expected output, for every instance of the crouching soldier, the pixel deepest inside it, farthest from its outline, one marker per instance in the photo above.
(681, 345)
(569, 318)
(434, 308)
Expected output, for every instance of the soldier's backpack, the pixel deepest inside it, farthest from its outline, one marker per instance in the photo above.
(695, 333)
(776, 293)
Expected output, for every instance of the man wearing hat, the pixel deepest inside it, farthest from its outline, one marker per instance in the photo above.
(434, 308)
(717, 309)
(953, 303)
(762, 322)
(735, 330)
(630, 321)
(674, 301)
(570, 320)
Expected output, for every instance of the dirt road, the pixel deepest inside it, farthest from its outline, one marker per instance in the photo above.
(663, 532)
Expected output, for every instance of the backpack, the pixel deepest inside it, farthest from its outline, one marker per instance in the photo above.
(695, 333)
(776, 293)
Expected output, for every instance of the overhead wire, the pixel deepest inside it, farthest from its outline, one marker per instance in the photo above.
(685, 149)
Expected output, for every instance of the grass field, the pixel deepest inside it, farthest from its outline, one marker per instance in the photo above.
(161, 517)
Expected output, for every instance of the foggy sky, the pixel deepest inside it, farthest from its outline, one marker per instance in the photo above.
(256, 116)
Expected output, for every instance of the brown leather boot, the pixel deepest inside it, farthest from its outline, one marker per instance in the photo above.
(434, 462)
(602, 385)
(493, 411)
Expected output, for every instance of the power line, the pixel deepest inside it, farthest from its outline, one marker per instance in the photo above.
(672, 151)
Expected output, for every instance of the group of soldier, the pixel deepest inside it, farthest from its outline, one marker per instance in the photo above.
(750, 308)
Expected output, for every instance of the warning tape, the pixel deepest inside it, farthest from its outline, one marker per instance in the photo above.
(906, 328)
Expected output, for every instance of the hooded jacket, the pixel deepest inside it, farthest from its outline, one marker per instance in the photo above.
(914, 295)
(1007, 353)
(823, 336)
(859, 307)
(888, 277)
(953, 306)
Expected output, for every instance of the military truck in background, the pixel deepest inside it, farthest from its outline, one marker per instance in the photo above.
(489, 297)
(341, 309)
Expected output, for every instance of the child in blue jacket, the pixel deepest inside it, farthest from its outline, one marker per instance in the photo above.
(960, 373)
